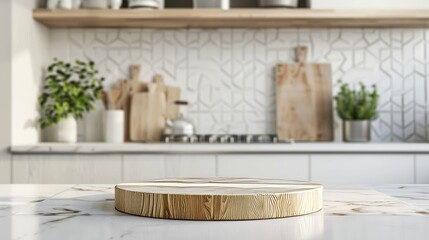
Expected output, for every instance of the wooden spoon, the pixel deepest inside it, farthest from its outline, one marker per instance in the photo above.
(105, 100)
(115, 94)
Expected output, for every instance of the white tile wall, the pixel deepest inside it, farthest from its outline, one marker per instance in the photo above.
(291, 167)
(227, 74)
(362, 169)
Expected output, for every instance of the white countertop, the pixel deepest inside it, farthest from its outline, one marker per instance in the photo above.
(88, 148)
(51, 212)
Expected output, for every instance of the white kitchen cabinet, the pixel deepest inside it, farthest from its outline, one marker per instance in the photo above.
(190, 166)
(277, 166)
(362, 169)
(66, 169)
(144, 167)
(422, 169)
(5, 167)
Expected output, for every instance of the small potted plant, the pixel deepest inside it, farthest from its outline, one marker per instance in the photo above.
(69, 91)
(357, 109)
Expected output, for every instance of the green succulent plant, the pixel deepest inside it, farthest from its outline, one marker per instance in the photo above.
(69, 89)
(356, 105)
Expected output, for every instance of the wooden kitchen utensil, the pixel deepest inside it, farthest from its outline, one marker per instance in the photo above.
(114, 96)
(304, 100)
(128, 88)
(147, 119)
(105, 100)
(160, 84)
(219, 198)
(172, 95)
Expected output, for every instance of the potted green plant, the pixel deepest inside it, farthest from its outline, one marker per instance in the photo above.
(357, 108)
(69, 91)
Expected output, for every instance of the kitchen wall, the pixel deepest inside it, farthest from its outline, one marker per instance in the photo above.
(30, 51)
(227, 74)
(5, 90)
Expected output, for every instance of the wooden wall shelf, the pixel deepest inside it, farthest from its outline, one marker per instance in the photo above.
(236, 18)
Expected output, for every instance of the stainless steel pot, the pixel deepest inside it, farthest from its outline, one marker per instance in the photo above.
(180, 126)
(357, 131)
(279, 3)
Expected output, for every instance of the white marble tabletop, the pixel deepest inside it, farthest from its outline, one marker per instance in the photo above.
(87, 212)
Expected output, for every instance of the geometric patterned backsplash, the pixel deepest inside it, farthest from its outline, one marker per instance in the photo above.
(227, 75)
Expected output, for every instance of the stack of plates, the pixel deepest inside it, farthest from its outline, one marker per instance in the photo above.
(98, 4)
(279, 3)
(144, 4)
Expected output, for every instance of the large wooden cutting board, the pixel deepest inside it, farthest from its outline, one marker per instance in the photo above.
(218, 198)
(304, 100)
(147, 120)
(172, 95)
(128, 88)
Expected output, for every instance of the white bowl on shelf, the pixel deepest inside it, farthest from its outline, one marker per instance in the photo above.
(278, 3)
(155, 4)
(95, 4)
(369, 4)
(223, 4)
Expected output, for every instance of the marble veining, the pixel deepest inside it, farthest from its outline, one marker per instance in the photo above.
(87, 212)
(415, 194)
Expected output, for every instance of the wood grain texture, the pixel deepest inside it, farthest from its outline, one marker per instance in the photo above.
(218, 198)
(128, 88)
(172, 94)
(304, 100)
(234, 18)
(147, 119)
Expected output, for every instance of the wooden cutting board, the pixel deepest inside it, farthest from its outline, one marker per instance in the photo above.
(147, 119)
(172, 95)
(218, 198)
(304, 100)
(128, 88)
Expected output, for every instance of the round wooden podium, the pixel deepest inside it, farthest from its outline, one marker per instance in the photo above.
(218, 198)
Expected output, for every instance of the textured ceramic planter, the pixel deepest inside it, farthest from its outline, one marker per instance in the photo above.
(67, 130)
(357, 131)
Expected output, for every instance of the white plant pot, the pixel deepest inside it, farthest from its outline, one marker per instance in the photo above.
(67, 130)
(114, 122)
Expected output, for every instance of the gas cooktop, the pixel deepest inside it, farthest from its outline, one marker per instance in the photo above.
(213, 138)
